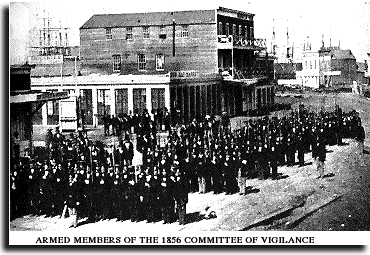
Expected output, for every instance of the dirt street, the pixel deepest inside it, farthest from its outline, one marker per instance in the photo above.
(297, 201)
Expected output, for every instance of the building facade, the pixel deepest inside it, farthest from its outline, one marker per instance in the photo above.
(310, 74)
(210, 55)
(24, 103)
(100, 95)
(338, 68)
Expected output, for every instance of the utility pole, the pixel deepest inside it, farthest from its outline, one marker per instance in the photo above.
(173, 37)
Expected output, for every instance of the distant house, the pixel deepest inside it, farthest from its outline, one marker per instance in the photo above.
(309, 76)
(338, 68)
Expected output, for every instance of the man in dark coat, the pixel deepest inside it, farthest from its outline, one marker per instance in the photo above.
(166, 198)
(273, 161)
(107, 122)
(74, 198)
(128, 151)
(133, 200)
(46, 192)
(360, 138)
(181, 190)
(321, 153)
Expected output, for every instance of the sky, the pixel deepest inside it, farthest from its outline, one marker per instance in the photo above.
(344, 22)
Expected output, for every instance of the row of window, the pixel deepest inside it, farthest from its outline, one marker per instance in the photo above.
(146, 32)
(306, 64)
(104, 103)
(224, 29)
(141, 62)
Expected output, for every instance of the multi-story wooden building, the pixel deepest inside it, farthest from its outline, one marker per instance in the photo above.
(338, 67)
(212, 56)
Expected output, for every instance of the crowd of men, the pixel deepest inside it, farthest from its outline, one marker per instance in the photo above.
(129, 123)
(100, 181)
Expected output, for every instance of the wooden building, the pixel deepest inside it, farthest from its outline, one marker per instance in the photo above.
(24, 103)
(338, 68)
(212, 56)
(99, 95)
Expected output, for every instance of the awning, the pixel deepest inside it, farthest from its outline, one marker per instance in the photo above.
(37, 97)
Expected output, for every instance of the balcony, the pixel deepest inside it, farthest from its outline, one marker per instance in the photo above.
(249, 74)
(240, 42)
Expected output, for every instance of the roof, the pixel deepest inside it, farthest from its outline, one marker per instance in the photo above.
(44, 70)
(287, 68)
(24, 66)
(223, 9)
(150, 19)
(342, 54)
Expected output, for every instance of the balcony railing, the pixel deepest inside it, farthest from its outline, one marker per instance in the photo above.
(248, 73)
(241, 41)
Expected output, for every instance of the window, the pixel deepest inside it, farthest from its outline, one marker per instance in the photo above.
(240, 32)
(305, 64)
(185, 31)
(104, 103)
(146, 32)
(315, 63)
(310, 64)
(158, 98)
(108, 34)
(159, 62)
(52, 110)
(139, 100)
(116, 63)
(129, 33)
(227, 29)
(246, 32)
(86, 104)
(141, 62)
(121, 101)
(251, 32)
(234, 30)
(162, 32)
(220, 28)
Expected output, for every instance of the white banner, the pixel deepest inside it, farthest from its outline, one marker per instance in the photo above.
(132, 237)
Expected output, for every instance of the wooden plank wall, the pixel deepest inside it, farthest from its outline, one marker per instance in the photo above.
(197, 52)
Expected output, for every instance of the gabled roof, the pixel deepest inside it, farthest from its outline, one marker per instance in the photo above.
(342, 54)
(150, 19)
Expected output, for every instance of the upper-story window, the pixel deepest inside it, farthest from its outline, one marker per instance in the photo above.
(240, 31)
(128, 33)
(227, 29)
(234, 30)
(162, 32)
(251, 33)
(116, 63)
(108, 34)
(146, 32)
(220, 28)
(246, 31)
(310, 64)
(141, 62)
(315, 64)
(185, 31)
(159, 62)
